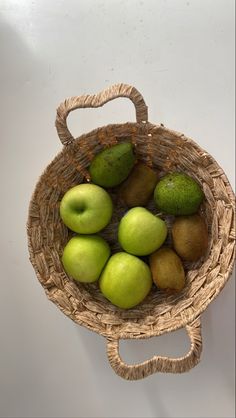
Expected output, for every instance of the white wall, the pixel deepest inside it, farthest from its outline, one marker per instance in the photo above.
(180, 55)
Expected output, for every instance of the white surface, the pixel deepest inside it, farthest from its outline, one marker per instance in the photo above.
(180, 55)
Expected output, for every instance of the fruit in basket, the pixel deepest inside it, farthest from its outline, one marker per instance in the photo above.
(167, 270)
(126, 280)
(112, 165)
(178, 194)
(139, 186)
(140, 232)
(85, 256)
(86, 208)
(190, 237)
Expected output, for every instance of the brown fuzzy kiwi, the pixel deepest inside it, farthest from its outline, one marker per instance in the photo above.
(190, 237)
(138, 188)
(167, 270)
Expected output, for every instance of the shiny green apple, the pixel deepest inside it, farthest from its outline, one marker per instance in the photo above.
(86, 208)
(126, 280)
(85, 256)
(140, 232)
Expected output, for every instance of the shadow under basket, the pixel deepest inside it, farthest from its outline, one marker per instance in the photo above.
(165, 150)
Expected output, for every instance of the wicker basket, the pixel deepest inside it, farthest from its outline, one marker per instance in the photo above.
(165, 150)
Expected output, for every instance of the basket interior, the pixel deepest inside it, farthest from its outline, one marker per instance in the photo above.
(164, 150)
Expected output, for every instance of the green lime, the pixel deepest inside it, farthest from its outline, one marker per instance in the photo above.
(178, 194)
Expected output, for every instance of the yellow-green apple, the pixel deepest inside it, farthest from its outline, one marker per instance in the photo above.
(126, 280)
(85, 256)
(86, 208)
(140, 232)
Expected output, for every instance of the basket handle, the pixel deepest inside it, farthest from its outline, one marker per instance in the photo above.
(97, 100)
(157, 363)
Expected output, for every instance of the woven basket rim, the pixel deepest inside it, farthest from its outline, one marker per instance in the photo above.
(146, 126)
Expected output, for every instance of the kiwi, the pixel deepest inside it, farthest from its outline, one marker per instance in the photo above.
(167, 270)
(190, 237)
(137, 189)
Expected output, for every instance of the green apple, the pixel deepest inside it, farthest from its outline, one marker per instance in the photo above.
(85, 256)
(140, 232)
(86, 208)
(126, 280)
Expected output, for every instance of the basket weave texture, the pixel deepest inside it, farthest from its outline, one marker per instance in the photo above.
(164, 150)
